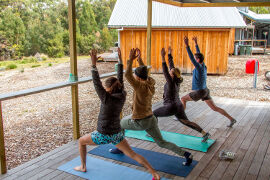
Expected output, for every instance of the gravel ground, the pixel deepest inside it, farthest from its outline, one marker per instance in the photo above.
(39, 123)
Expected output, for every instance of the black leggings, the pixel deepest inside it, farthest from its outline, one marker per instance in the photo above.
(176, 109)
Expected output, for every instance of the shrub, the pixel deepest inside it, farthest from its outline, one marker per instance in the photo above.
(28, 60)
(50, 64)
(35, 65)
(11, 66)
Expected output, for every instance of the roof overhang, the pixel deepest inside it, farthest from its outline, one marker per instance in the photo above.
(215, 3)
(253, 18)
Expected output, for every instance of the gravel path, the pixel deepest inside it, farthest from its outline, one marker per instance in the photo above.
(36, 124)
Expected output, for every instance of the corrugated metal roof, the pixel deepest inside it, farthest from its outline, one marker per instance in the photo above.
(133, 13)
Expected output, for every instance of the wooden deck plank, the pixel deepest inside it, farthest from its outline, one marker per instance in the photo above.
(261, 152)
(264, 171)
(51, 175)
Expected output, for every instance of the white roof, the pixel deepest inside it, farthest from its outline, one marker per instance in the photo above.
(133, 13)
(264, 18)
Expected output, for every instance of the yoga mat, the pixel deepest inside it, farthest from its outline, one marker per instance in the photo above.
(160, 161)
(98, 169)
(182, 140)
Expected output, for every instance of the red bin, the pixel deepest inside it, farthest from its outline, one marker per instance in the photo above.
(250, 66)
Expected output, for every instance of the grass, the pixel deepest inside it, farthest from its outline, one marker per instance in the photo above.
(31, 62)
(11, 66)
(35, 65)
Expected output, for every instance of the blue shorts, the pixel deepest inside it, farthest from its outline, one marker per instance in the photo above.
(99, 138)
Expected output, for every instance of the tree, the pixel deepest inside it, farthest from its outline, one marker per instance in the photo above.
(32, 26)
(260, 10)
(106, 39)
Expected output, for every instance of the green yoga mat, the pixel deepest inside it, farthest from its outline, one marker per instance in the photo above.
(182, 140)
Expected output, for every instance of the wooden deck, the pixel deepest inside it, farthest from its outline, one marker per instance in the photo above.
(249, 138)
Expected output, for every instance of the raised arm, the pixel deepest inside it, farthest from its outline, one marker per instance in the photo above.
(165, 68)
(139, 58)
(129, 75)
(120, 67)
(95, 75)
(196, 44)
(170, 58)
(190, 54)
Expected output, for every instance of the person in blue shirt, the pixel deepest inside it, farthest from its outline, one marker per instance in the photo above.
(199, 88)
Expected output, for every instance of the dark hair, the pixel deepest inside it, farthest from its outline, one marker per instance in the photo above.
(112, 81)
(200, 56)
(142, 72)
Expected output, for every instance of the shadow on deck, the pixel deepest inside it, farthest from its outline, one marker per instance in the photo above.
(249, 138)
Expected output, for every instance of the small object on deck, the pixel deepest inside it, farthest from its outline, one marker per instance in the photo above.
(226, 155)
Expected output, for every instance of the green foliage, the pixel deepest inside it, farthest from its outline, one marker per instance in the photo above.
(260, 10)
(35, 65)
(41, 26)
(27, 60)
(50, 64)
(11, 66)
(106, 39)
(56, 48)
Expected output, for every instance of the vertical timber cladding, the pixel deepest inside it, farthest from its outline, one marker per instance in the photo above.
(214, 44)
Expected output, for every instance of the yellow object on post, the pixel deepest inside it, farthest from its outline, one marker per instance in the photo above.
(73, 67)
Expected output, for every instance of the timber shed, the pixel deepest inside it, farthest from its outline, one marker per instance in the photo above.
(214, 27)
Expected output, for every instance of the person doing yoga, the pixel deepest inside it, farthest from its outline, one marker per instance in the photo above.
(171, 102)
(112, 98)
(200, 90)
(142, 115)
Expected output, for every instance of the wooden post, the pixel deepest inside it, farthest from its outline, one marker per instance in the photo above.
(3, 164)
(149, 31)
(73, 67)
(253, 32)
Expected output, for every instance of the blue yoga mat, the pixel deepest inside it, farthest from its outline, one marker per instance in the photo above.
(98, 169)
(181, 140)
(160, 161)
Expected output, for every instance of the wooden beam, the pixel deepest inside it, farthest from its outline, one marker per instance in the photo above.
(73, 67)
(149, 32)
(225, 4)
(3, 164)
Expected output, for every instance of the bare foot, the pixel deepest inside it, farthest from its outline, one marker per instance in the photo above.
(80, 168)
(155, 176)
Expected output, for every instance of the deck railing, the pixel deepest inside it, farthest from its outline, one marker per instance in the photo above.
(13, 95)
